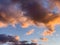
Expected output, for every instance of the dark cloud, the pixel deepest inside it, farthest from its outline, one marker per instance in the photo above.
(13, 41)
(28, 12)
(7, 38)
(35, 10)
(23, 43)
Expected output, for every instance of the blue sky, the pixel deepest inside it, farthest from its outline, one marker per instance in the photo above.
(52, 40)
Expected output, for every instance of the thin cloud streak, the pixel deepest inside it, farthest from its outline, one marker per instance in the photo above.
(30, 32)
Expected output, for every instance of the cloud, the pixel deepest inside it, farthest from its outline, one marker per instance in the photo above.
(48, 32)
(7, 38)
(25, 13)
(30, 32)
(25, 43)
(17, 37)
(44, 39)
(13, 40)
(3, 25)
(34, 40)
(25, 25)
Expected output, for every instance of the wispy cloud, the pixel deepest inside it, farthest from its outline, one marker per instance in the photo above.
(44, 39)
(30, 32)
(35, 40)
(48, 32)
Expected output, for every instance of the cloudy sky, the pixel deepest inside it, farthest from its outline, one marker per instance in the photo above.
(21, 32)
(29, 26)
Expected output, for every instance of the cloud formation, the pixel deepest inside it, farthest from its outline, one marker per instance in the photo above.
(13, 40)
(7, 38)
(30, 32)
(35, 40)
(44, 39)
(3, 24)
(26, 13)
(48, 32)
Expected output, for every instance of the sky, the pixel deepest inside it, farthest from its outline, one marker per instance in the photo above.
(28, 29)
(21, 32)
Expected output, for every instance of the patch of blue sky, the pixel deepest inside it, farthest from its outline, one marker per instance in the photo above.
(47, 4)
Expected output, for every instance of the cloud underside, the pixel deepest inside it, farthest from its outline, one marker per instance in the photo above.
(31, 14)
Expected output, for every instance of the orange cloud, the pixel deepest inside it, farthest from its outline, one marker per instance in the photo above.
(3, 25)
(17, 37)
(36, 14)
(51, 25)
(25, 25)
(30, 32)
(55, 20)
(34, 40)
(44, 39)
(25, 22)
(48, 32)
